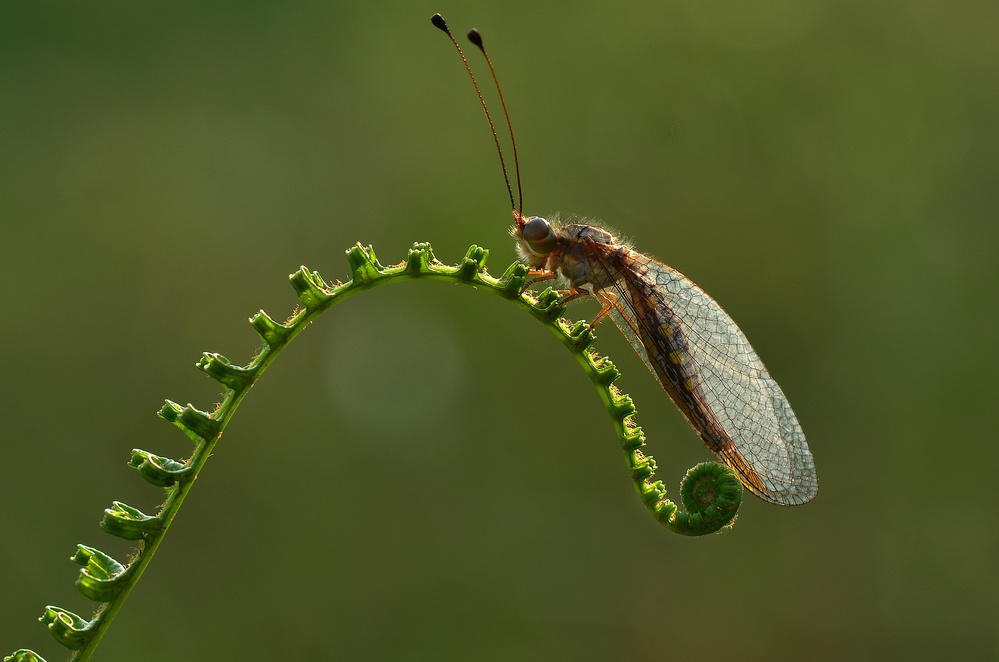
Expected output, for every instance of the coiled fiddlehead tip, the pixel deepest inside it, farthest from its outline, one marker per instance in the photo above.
(710, 485)
(711, 494)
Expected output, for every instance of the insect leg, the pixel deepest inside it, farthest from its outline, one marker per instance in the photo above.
(542, 276)
(609, 300)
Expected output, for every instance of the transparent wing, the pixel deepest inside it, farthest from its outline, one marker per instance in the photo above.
(764, 443)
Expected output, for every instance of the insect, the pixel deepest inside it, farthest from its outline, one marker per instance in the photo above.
(695, 350)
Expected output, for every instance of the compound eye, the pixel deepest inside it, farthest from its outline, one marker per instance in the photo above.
(540, 236)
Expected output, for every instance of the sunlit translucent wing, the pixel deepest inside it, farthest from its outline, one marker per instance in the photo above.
(711, 372)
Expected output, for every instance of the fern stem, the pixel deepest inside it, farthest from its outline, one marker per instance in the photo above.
(710, 492)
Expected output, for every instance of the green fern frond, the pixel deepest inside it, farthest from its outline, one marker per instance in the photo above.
(710, 492)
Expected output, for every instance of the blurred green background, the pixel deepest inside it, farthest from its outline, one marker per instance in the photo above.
(426, 474)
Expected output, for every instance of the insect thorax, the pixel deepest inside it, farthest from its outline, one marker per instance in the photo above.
(578, 264)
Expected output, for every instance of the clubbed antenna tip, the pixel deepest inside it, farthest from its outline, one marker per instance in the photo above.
(438, 22)
(474, 37)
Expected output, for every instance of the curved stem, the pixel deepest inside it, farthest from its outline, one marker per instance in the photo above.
(711, 493)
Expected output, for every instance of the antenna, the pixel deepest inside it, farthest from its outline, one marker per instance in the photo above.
(476, 39)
